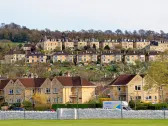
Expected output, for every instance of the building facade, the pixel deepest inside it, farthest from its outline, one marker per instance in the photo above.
(63, 56)
(57, 90)
(131, 87)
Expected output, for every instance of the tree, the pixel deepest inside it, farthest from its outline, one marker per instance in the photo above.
(40, 101)
(157, 74)
(39, 98)
(106, 47)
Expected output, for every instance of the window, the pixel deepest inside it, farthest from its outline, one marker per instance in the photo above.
(18, 100)
(55, 100)
(33, 91)
(119, 88)
(138, 97)
(11, 91)
(18, 91)
(55, 90)
(155, 97)
(10, 101)
(149, 98)
(47, 90)
(39, 90)
(48, 100)
(60, 99)
(138, 88)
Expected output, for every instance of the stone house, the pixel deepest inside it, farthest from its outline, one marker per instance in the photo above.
(131, 87)
(36, 58)
(56, 90)
(63, 56)
(111, 56)
(87, 56)
(14, 56)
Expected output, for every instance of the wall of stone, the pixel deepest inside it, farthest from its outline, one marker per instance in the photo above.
(84, 114)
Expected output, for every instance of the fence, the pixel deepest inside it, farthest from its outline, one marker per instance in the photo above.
(85, 114)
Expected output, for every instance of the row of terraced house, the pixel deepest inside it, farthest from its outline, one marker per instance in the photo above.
(53, 44)
(88, 56)
(57, 90)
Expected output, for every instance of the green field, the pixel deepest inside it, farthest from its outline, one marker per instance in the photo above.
(84, 123)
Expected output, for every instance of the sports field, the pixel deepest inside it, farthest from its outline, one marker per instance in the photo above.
(84, 123)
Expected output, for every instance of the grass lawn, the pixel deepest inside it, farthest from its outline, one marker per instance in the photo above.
(84, 123)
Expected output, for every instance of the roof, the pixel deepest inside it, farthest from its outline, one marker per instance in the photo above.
(122, 80)
(62, 53)
(3, 83)
(154, 53)
(35, 54)
(74, 81)
(32, 82)
(11, 52)
(3, 78)
(110, 52)
(87, 52)
(135, 53)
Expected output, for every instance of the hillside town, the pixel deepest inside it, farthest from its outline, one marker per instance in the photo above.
(82, 52)
(74, 89)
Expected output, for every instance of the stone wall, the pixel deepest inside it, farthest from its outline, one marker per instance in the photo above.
(84, 114)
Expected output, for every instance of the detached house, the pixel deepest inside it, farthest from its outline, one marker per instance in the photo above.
(131, 87)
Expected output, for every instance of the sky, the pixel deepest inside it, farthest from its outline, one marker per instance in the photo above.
(86, 14)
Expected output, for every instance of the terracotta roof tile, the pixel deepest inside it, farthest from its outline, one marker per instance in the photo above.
(32, 82)
(122, 80)
(3, 83)
(74, 81)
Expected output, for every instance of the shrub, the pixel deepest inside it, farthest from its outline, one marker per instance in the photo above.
(55, 106)
(147, 106)
(27, 105)
(42, 107)
(15, 105)
(4, 104)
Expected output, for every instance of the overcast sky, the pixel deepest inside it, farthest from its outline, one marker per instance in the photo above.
(86, 14)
